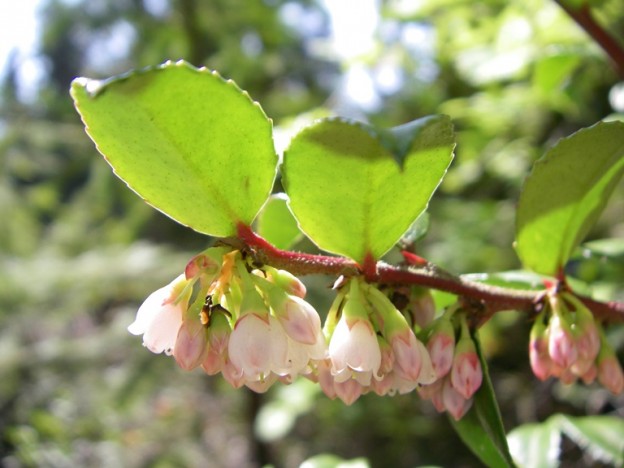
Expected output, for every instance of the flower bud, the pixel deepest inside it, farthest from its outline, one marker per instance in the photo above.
(191, 344)
(541, 364)
(466, 373)
(586, 336)
(408, 359)
(300, 320)
(326, 379)
(348, 391)
(219, 331)
(441, 345)
(561, 344)
(206, 263)
(422, 306)
(610, 374)
(454, 401)
(286, 281)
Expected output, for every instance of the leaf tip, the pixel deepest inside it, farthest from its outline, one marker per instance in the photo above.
(91, 87)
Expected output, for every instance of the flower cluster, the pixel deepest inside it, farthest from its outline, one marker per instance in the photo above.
(251, 325)
(567, 343)
(456, 364)
(372, 347)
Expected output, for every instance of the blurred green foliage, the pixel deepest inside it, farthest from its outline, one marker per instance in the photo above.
(79, 251)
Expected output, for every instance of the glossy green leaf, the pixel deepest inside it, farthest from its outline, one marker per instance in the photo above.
(536, 445)
(481, 428)
(417, 230)
(610, 248)
(192, 144)
(355, 191)
(276, 223)
(565, 193)
(601, 436)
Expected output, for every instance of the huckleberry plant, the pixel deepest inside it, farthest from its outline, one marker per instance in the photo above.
(198, 149)
(226, 316)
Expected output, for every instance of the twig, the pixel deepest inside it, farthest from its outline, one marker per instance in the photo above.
(582, 16)
(491, 299)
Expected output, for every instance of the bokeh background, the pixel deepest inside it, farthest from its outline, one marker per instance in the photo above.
(79, 251)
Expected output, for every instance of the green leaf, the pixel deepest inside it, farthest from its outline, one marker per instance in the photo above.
(536, 444)
(565, 193)
(417, 230)
(481, 428)
(539, 444)
(611, 248)
(192, 144)
(601, 436)
(355, 191)
(552, 71)
(276, 223)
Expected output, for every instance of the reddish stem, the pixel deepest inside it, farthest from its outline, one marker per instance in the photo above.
(583, 17)
(296, 262)
(490, 299)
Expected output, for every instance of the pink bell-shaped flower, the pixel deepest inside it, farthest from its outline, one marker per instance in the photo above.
(160, 316)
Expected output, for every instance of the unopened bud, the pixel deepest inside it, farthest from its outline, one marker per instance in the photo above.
(441, 346)
(190, 346)
(610, 374)
(541, 364)
(466, 372)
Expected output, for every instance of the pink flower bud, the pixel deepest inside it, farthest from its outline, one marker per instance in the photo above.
(561, 344)
(191, 344)
(286, 281)
(383, 386)
(348, 391)
(441, 346)
(213, 362)
(610, 373)
(387, 356)
(422, 307)
(407, 356)
(438, 401)
(325, 379)
(587, 342)
(427, 373)
(466, 373)
(200, 264)
(454, 402)
(540, 360)
(300, 320)
(427, 392)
